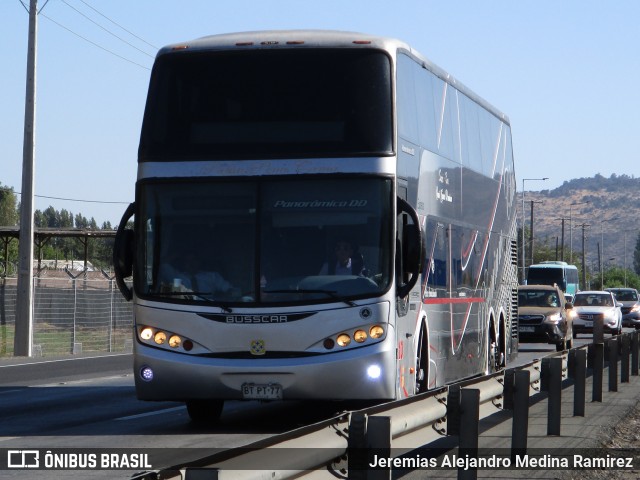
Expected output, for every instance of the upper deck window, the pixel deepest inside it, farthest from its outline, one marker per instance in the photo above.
(268, 104)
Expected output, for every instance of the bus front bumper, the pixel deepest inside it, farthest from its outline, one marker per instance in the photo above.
(367, 373)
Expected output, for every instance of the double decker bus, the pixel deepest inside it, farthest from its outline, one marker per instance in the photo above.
(318, 215)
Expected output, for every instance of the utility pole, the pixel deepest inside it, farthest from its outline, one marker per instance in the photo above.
(531, 230)
(584, 255)
(22, 343)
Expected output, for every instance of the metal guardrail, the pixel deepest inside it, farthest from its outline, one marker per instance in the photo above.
(323, 450)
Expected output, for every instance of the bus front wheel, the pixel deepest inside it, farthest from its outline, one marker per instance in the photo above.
(205, 412)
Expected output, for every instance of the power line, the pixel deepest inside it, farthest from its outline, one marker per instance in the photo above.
(67, 199)
(119, 26)
(93, 43)
(106, 29)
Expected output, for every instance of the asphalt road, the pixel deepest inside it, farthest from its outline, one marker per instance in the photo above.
(89, 402)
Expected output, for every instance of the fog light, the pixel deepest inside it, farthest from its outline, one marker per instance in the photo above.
(360, 336)
(343, 340)
(374, 371)
(146, 373)
(146, 333)
(175, 341)
(187, 345)
(376, 331)
(160, 338)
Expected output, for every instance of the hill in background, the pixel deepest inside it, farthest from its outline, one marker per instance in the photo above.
(608, 207)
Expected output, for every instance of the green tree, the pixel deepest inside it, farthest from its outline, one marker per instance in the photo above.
(616, 277)
(8, 207)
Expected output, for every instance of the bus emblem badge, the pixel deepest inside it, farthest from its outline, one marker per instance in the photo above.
(257, 347)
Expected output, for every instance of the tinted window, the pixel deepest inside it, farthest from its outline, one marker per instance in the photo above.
(234, 242)
(268, 104)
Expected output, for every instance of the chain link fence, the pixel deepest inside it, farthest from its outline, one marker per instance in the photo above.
(71, 315)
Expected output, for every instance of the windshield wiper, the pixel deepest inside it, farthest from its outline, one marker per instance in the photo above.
(201, 296)
(331, 293)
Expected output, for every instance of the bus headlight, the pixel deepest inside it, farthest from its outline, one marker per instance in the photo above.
(360, 336)
(167, 340)
(160, 338)
(146, 333)
(376, 331)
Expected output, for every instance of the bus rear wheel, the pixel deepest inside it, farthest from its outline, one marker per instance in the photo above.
(204, 412)
(422, 363)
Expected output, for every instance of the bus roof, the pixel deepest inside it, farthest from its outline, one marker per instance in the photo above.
(276, 39)
(553, 264)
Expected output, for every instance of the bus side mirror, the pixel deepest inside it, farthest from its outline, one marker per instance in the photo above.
(123, 249)
(410, 249)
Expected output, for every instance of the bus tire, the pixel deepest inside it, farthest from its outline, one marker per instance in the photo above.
(205, 412)
(422, 362)
(496, 354)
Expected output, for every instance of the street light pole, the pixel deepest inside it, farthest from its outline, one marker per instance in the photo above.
(523, 224)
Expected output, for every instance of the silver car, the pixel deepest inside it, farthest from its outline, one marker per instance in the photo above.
(593, 306)
(630, 300)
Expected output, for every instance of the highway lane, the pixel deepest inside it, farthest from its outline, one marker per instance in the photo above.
(53, 405)
(91, 403)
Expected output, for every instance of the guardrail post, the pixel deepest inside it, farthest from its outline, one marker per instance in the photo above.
(598, 371)
(544, 374)
(508, 390)
(379, 440)
(453, 410)
(571, 363)
(469, 429)
(580, 382)
(624, 360)
(200, 474)
(613, 365)
(520, 422)
(635, 346)
(357, 446)
(598, 331)
(555, 396)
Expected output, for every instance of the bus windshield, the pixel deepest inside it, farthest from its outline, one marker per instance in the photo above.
(545, 276)
(228, 242)
(268, 104)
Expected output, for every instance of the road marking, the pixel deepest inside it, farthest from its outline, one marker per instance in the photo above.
(64, 360)
(148, 414)
(12, 391)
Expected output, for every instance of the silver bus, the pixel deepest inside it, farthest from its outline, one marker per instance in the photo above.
(318, 215)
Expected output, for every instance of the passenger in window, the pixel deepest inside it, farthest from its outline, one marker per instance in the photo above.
(345, 261)
(186, 274)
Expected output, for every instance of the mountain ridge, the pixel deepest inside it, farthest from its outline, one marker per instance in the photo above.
(609, 209)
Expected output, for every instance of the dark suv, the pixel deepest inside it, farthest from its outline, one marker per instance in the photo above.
(630, 300)
(542, 316)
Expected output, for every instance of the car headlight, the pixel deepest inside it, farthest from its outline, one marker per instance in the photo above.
(555, 318)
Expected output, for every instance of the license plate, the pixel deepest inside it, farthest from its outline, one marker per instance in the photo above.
(254, 391)
(527, 329)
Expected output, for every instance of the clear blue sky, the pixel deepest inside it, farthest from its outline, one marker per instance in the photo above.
(565, 72)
